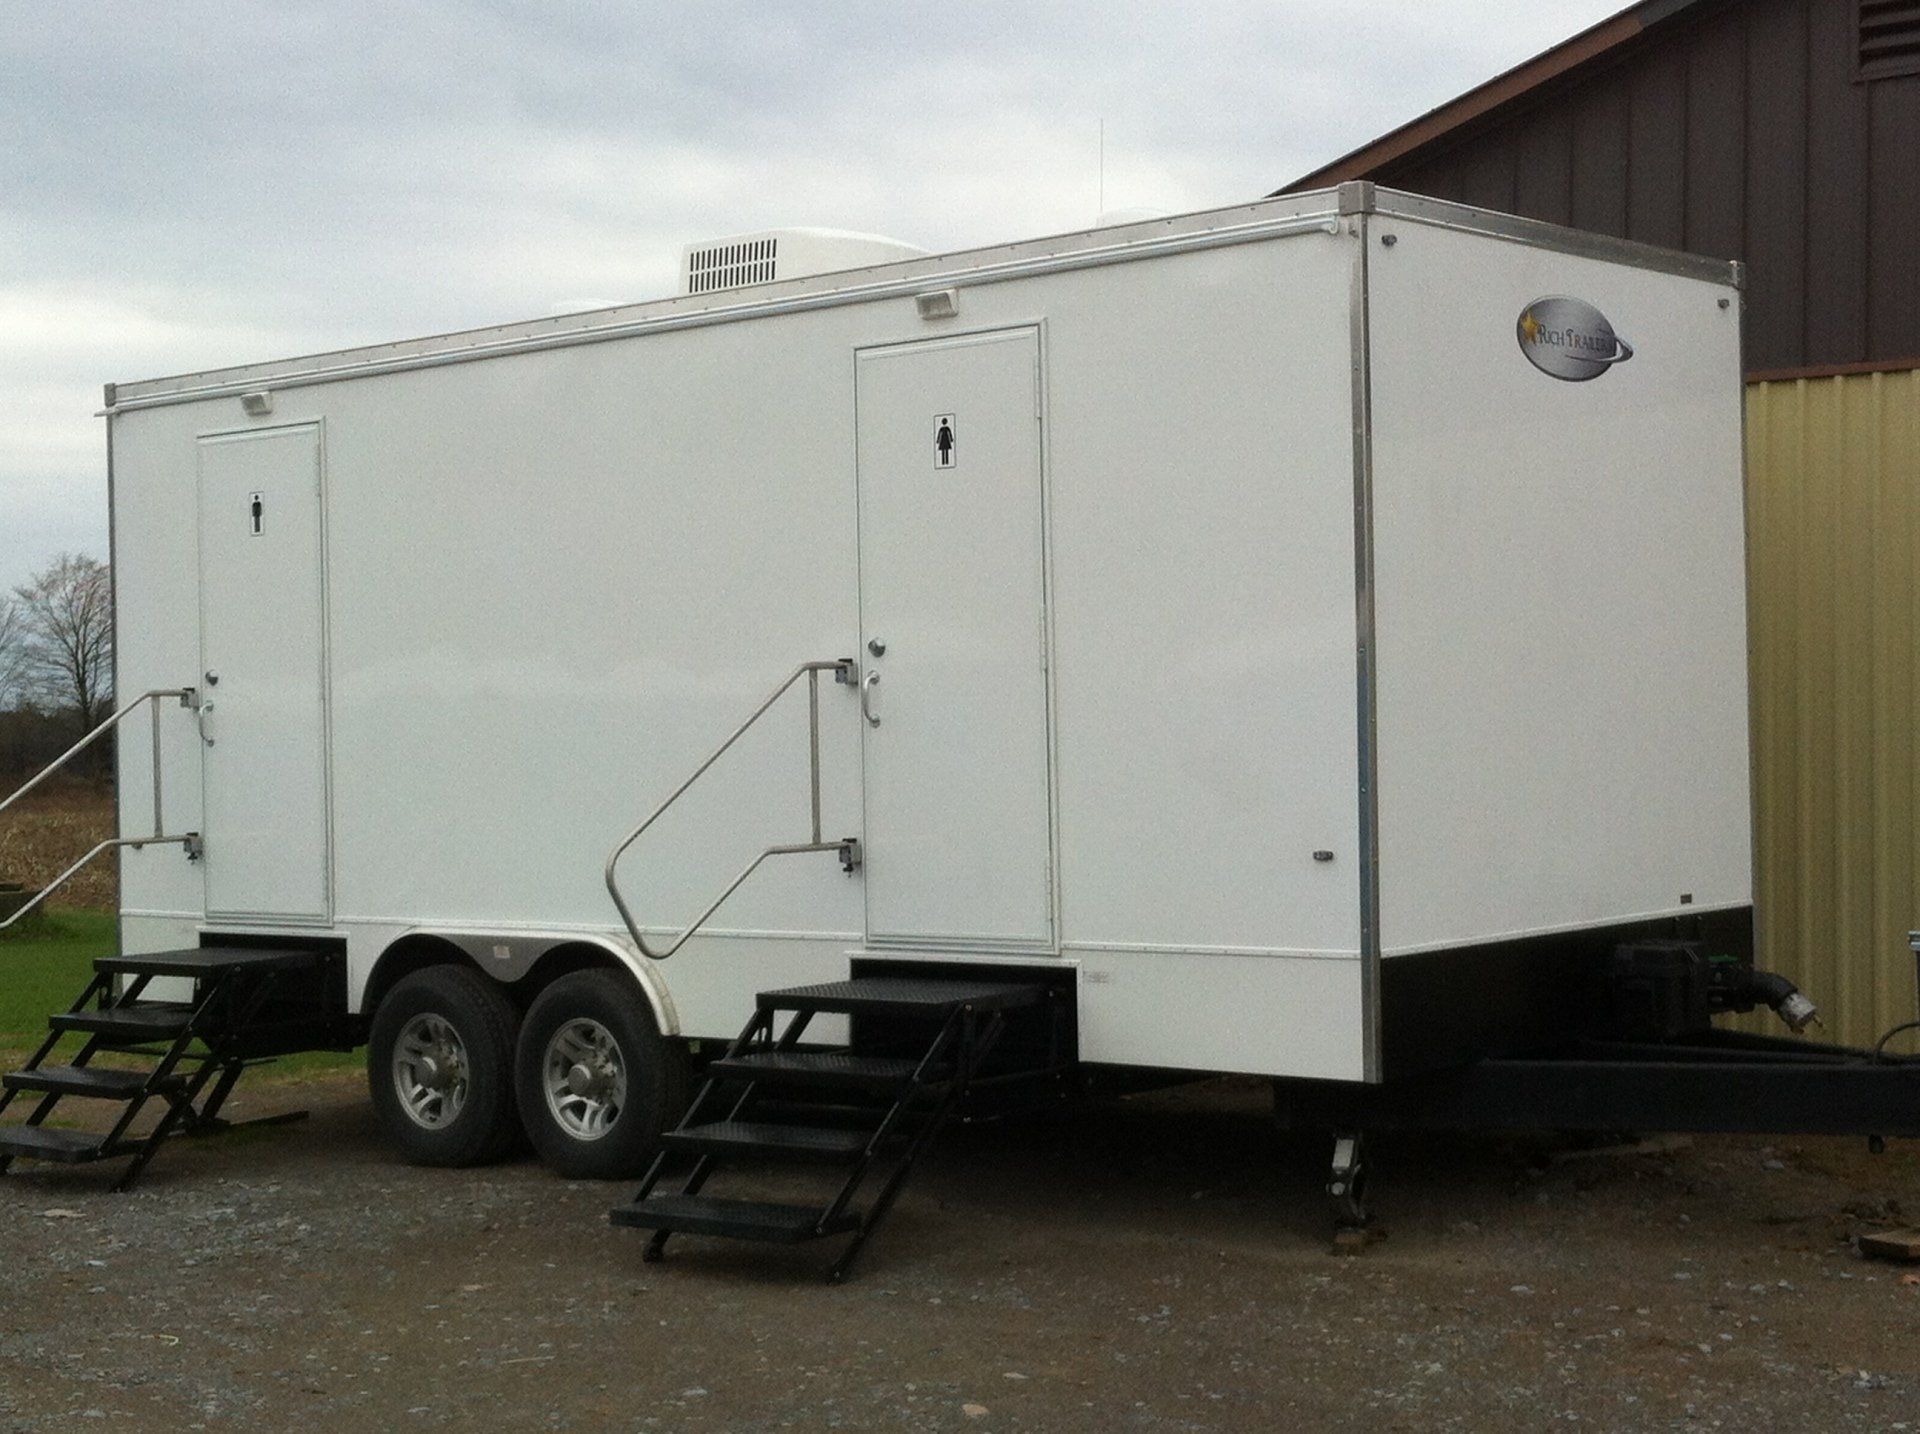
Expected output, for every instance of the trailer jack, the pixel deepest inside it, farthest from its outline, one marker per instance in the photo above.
(1347, 1183)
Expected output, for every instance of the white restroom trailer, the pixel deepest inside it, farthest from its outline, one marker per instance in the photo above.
(1298, 630)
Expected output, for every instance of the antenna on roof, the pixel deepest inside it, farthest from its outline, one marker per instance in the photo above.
(1101, 208)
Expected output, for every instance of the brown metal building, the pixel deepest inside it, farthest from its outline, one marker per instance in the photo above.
(1784, 133)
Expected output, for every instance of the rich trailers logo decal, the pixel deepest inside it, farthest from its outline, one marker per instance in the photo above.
(1570, 339)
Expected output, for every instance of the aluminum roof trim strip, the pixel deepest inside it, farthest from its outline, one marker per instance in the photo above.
(1236, 224)
(1318, 212)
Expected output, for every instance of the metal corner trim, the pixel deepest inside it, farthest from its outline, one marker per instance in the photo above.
(1366, 675)
(1582, 243)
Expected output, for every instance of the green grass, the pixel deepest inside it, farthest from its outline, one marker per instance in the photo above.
(43, 970)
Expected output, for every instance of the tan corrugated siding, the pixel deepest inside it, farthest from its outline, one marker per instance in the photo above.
(1834, 514)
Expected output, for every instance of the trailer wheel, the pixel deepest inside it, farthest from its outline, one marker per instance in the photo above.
(440, 1064)
(596, 1080)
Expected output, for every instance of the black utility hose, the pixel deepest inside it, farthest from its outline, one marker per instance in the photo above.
(1880, 1046)
(1783, 996)
(1770, 987)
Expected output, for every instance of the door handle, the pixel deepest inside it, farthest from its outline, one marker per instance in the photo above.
(866, 699)
(200, 715)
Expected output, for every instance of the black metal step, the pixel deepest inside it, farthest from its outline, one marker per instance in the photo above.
(68, 1147)
(822, 1068)
(902, 996)
(143, 1021)
(740, 1219)
(209, 961)
(90, 1081)
(786, 1142)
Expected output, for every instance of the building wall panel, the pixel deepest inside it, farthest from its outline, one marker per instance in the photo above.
(1839, 193)
(1657, 124)
(1833, 465)
(1715, 155)
(1543, 182)
(1776, 175)
(1893, 316)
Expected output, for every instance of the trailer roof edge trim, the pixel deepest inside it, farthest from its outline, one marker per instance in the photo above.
(1317, 212)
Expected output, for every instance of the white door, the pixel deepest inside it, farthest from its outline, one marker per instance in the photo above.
(261, 634)
(953, 621)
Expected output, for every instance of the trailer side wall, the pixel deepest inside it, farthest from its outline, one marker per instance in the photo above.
(555, 580)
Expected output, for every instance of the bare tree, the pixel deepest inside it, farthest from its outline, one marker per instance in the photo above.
(13, 653)
(67, 612)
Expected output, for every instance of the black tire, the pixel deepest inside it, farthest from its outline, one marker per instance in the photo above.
(485, 1125)
(655, 1071)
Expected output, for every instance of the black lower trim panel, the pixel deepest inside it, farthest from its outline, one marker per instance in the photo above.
(1731, 1092)
(1446, 1008)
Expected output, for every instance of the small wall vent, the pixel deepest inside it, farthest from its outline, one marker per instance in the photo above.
(1889, 32)
(742, 260)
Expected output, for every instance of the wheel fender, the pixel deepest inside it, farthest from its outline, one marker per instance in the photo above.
(508, 956)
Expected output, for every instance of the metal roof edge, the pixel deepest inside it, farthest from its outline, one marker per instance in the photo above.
(1268, 217)
(1399, 203)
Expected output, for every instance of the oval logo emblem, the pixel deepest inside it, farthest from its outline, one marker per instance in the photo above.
(1570, 339)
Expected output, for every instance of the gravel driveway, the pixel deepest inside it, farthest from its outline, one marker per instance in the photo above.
(1159, 1263)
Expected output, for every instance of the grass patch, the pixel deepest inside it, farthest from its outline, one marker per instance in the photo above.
(43, 970)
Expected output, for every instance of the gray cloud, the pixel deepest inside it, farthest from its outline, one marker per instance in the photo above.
(206, 183)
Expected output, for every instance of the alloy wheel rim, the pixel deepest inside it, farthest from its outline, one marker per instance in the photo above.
(585, 1079)
(431, 1073)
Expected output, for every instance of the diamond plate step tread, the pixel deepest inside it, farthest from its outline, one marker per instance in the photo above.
(741, 1219)
(145, 1021)
(90, 1081)
(821, 1068)
(208, 961)
(902, 996)
(68, 1147)
(797, 1142)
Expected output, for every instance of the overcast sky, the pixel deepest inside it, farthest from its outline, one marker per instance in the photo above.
(185, 184)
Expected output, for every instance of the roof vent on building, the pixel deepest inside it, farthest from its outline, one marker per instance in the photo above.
(744, 259)
(1889, 38)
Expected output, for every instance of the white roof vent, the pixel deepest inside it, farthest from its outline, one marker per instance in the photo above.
(745, 259)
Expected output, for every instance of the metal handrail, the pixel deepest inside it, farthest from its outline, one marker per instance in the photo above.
(189, 698)
(849, 847)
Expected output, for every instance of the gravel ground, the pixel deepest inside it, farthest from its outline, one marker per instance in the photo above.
(1154, 1264)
